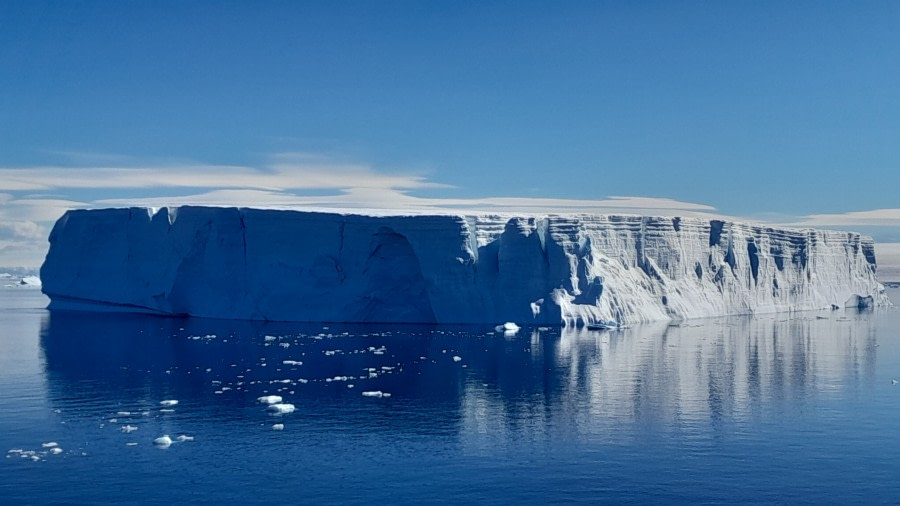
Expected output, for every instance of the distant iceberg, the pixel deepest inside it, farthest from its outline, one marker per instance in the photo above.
(552, 269)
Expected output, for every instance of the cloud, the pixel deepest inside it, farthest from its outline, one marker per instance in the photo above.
(372, 199)
(875, 217)
(287, 171)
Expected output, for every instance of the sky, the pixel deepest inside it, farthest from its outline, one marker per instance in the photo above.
(784, 113)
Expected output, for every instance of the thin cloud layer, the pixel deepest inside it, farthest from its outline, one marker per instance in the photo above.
(875, 217)
(304, 181)
(285, 172)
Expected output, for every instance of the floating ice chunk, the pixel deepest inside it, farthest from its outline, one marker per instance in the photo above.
(278, 426)
(182, 438)
(130, 444)
(168, 402)
(457, 358)
(291, 362)
(375, 393)
(269, 399)
(269, 339)
(123, 413)
(128, 428)
(280, 409)
(507, 327)
(163, 441)
(56, 450)
(50, 445)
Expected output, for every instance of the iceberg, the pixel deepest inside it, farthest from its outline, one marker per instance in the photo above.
(574, 270)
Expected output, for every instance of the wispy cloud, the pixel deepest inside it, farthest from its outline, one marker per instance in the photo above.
(372, 199)
(299, 181)
(874, 218)
(286, 171)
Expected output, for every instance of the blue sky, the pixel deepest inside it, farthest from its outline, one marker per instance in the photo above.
(788, 113)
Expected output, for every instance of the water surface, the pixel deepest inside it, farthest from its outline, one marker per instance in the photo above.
(777, 408)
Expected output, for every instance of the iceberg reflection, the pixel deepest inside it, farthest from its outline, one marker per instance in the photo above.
(482, 387)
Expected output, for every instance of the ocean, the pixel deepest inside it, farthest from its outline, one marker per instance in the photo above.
(777, 408)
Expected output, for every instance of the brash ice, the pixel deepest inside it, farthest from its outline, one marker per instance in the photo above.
(267, 264)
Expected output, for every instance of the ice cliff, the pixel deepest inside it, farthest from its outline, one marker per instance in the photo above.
(571, 269)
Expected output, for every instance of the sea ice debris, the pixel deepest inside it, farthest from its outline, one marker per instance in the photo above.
(163, 441)
(280, 409)
(269, 399)
(507, 327)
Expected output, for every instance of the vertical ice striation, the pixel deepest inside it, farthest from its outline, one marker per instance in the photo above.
(570, 269)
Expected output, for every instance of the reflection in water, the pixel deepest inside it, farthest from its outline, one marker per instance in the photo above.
(541, 385)
(672, 378)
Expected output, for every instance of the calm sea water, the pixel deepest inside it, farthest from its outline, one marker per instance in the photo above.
(773, 409)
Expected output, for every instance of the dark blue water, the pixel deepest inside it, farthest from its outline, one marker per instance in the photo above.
(774, 409)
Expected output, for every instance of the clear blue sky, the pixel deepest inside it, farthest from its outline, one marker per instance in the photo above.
(750, 107)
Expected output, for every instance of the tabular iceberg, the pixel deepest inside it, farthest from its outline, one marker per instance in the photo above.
(267, 264)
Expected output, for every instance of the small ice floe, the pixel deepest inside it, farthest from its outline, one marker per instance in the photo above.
(375, 393)
(291, 362)
(56, 450)
(269, 399)
(168, 402)
(167, 411)
(280, 409)
(51, 444)
(457, 358)
(163, 441)
(127, 429)
(123, 413)
(278, 426)
(183, 438)
(131, 444)
(284, 345)
(893, 382)
(269, 339)
(507, 327)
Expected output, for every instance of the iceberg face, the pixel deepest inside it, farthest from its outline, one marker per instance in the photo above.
(570, 269)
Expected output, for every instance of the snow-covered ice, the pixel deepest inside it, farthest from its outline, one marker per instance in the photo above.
(163, 441)
(278, 426)
(168, 402)
(269, 399)
(375, 393)
(453, 268)
(507, 327)
(280, 409)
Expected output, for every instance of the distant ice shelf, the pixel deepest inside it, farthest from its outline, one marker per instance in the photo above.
(265, 264)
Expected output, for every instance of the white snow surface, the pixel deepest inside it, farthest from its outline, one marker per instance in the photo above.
(267, 264)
